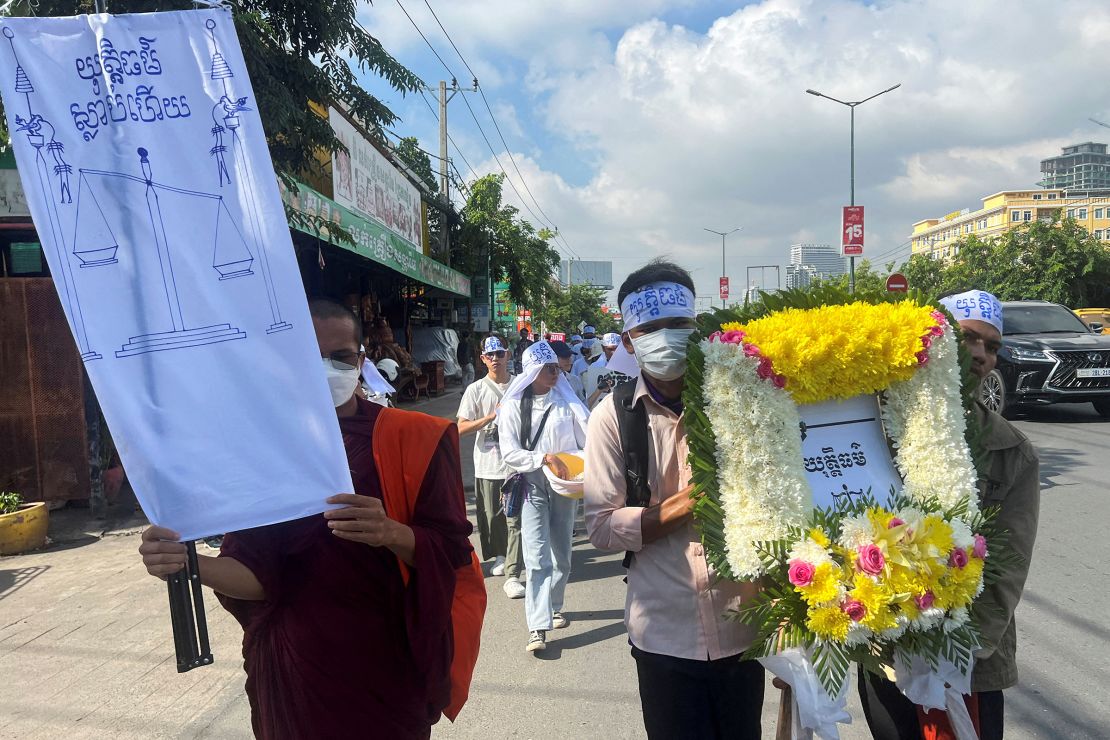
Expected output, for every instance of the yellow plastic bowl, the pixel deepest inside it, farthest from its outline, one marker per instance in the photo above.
(568, 488)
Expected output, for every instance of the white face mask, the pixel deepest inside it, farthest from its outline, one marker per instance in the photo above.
(662, 353)
(341, 383)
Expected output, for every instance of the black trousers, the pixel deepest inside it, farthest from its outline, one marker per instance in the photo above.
(700, 699)
(891, 716)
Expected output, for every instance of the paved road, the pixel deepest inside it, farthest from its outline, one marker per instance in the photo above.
(85, 649)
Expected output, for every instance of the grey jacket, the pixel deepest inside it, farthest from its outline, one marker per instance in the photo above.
(1012, 482)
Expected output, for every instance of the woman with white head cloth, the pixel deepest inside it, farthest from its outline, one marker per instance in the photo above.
(541, 416)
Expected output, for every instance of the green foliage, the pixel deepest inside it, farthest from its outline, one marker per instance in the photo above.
(10, 501)
(297, 52)
(517, 253)
(1052, 261)
(408, 149)
(569, 306)
(870, 283)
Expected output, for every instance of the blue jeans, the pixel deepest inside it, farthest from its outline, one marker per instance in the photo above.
(546, 524)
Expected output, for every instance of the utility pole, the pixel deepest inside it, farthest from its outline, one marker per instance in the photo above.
(445, 96)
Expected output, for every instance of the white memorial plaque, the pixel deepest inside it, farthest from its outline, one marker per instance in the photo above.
(845, 452)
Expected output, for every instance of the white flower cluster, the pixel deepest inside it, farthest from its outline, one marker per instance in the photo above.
(855, 531)
(924, 417)
(759, 452)
(810, 552)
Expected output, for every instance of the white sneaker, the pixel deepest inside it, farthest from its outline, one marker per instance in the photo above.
(537, 640)
(513, 588)
(498, 568)
(558, 621)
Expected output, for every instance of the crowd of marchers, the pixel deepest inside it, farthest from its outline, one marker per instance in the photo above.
(364, 621)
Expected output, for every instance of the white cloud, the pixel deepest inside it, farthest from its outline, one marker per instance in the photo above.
(685, 130)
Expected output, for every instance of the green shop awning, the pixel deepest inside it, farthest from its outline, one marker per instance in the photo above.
(374, 241)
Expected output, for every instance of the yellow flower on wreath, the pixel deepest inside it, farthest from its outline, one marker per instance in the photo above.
(829, 623)
(818, 535)
(841, 351)
(825, 584)
(876, 597)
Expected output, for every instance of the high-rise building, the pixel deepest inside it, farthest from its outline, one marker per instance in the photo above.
(800, 276)
(1083, 166)
(823, 261)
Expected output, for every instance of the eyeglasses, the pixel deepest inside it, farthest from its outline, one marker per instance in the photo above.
(498, 354)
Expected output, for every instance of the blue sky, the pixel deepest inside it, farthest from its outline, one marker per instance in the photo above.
(638, 123)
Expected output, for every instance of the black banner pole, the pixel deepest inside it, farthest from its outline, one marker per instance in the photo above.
(190, 628)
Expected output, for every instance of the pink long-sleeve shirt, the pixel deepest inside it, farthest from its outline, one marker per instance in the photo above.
(675, 601)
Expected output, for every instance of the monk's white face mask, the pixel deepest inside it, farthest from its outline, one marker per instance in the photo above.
(342, 381)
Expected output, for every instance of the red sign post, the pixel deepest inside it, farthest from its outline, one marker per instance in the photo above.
(724, 288)
(897, 283)
(558, 336)
(851, 231)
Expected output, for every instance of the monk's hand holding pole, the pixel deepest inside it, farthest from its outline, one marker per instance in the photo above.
(363, 519)
(162, 554)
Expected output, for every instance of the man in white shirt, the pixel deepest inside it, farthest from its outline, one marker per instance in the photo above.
(596, 391)
(499, 535)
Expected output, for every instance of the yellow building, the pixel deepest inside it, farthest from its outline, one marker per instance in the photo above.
(938, 237)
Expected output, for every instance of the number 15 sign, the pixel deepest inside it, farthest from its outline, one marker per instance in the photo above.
(851, 231)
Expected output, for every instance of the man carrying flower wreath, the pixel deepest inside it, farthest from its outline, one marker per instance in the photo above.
(1011, 483)
(692, 680)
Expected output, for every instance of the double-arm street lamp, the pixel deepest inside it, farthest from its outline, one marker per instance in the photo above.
(852, 155)
(723, 234)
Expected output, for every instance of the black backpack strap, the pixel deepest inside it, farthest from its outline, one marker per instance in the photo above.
(632, 427)
(526, 400)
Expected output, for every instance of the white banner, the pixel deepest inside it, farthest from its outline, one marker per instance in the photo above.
(365, 181)
(845, 452)
(150, 184)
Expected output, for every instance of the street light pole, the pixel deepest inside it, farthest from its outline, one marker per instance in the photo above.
(723, 234)
(852, 156)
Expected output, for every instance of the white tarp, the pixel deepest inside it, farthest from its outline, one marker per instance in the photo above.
(845, 452)
(365, 181)
(143, 158)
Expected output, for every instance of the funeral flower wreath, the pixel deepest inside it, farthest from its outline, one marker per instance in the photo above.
(866, 581)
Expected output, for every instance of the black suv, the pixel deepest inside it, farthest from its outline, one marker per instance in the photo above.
(1048, 356)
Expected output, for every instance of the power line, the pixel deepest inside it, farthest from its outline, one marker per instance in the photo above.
(508, 149)
(543, 221)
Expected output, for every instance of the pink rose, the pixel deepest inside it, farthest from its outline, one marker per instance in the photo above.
(926, 341)
(779, 381)
(936, 331)
(733, 337)
(925, 600)
(870, 560)
(801, 573)
(922, 358)
(958, 558)
(715, 337)
(765, 370)
(751, 350)
(895, 522)
(940, 318)
(854, 609)
(980, 548)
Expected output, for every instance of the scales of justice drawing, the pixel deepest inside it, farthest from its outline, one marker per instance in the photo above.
(132, 204)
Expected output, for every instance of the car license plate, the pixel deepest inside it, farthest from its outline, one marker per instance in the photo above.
(1093, 372)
